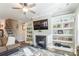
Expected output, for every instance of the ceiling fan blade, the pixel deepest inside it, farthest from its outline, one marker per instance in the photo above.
(16, 8)
(32, 11)
(23, 4)
(31, 5)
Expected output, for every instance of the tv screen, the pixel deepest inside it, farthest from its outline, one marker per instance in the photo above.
(41, 24)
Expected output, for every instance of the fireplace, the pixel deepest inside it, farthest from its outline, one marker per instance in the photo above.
(41, 41)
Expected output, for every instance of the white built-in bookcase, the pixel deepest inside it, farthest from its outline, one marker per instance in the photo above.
(63, 33)
(29, 31)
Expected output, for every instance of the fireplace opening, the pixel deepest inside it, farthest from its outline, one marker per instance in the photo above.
(41, 41)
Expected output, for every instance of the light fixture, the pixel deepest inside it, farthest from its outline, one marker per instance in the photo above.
(25, 9)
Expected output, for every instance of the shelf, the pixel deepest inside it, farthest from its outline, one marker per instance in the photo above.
(68, 21)
(63, 41)
(68, 28)
(63, 22)
(62, 35)
(64, 49)
(62, 28)
(29, 33)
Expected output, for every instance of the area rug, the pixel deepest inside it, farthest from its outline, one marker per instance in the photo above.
(32, 51)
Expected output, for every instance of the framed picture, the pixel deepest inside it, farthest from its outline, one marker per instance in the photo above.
(70, 39)
(54, 26)
(59, 26)
(23, 26)
(60, 31)
(1, 33)
(66, 25)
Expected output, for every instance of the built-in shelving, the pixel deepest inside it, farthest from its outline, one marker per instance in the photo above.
(29, 31)
(65, 49)
(62, 41)
(62, 28)
(63, 33)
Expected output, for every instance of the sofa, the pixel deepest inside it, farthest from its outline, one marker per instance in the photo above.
(7, 50)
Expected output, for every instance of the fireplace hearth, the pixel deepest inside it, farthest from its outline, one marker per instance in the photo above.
(41, 41)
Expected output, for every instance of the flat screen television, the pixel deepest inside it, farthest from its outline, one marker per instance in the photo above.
(41, 24)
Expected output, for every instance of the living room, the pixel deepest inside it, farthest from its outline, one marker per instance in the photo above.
(39, 29)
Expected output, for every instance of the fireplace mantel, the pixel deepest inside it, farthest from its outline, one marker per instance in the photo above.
(41, 41)
(48, 38)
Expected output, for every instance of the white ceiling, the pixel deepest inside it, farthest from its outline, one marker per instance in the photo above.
(41, 9)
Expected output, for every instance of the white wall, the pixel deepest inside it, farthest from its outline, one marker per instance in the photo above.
(20, 32)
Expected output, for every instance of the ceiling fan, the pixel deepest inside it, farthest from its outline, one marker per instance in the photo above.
(26, 7)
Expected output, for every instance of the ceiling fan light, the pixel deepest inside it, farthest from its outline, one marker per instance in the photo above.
(25, 9)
